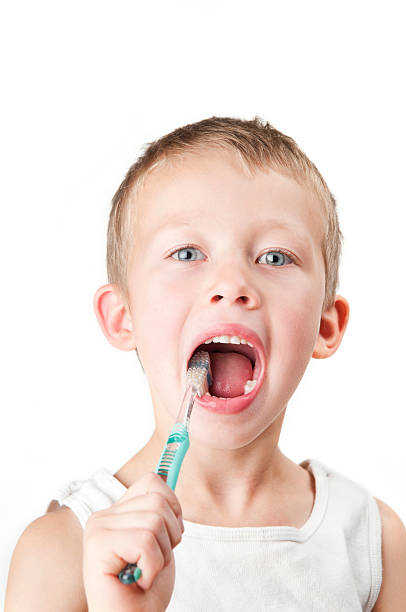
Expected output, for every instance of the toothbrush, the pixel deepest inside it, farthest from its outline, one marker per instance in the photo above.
(198, 380)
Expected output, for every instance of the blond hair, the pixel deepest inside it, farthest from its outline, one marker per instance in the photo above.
(258, 145)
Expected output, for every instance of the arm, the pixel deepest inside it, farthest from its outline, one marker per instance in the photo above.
(46, 567)
(392, 596)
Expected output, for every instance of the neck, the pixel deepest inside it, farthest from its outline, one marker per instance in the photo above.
(255, 476)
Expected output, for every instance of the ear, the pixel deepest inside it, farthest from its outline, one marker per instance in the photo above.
(333, 324)
(113, 317)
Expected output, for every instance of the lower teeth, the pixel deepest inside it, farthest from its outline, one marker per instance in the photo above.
(248, 387)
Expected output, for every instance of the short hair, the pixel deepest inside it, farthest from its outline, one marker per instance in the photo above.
(258, 145)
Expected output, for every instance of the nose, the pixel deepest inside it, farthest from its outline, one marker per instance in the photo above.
(232, 285)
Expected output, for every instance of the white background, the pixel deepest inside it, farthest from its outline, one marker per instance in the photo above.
(85, 85)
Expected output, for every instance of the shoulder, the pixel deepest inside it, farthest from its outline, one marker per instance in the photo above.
(392, 595)
(48, 559)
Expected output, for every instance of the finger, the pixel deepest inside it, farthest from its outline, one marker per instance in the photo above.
(156, 524)
(115, 548)
(153, 502)
(151, 483)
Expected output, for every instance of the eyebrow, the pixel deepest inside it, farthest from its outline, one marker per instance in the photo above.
(273, 223)
(268, 225)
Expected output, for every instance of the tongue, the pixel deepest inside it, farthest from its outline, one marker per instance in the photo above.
(230, 372)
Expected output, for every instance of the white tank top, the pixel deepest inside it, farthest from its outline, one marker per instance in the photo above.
(333, 563)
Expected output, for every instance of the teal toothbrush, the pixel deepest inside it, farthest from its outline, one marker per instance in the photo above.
(198, 380)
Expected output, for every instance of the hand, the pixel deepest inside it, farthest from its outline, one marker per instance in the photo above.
(142, 527)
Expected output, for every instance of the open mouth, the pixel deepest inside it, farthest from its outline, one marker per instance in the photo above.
(235, 368)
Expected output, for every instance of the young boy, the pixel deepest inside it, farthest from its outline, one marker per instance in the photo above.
(222, 229)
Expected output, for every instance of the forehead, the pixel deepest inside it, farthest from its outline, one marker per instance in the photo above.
(212, 190)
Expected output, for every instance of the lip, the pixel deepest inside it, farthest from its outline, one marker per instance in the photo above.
(232, 405)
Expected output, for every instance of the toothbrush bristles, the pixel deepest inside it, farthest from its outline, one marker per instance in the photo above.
(199, 372)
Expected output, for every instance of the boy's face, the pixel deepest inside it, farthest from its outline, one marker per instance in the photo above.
(232, 221)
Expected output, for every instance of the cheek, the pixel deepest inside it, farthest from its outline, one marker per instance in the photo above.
(295, 333)
(294, 336)
(159, 307)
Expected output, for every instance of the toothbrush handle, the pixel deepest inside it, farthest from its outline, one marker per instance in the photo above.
(172, 456)
(168, 469)
(178, 442)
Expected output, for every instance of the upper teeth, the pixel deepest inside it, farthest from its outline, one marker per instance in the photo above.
(228, 340)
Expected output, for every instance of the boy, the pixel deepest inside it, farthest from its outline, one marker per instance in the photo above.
(222, 230)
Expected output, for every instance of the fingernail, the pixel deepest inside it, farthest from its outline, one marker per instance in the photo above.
(137, 573)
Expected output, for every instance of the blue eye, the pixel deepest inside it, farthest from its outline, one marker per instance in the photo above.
(183, 253)
(270, 257)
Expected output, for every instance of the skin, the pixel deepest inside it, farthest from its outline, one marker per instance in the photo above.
(225, 214)
(234, 473)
